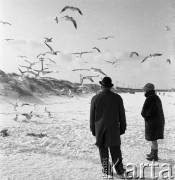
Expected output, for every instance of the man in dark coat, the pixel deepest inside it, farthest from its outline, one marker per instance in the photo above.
(107, 123)
(152, 112)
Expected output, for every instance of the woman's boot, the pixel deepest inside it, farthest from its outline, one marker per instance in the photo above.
(150, 154)
(154, 155)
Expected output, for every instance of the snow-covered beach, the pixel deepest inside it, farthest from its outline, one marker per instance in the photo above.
(68, 151)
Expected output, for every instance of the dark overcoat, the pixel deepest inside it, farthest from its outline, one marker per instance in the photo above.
(107, 118)
(152, 112)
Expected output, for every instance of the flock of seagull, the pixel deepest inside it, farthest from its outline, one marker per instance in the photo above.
(29, 70)
(29, 115)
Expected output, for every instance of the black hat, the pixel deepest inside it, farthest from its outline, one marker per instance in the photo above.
(106, 82)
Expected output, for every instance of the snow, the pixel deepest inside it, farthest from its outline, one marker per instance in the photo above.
(68, 151)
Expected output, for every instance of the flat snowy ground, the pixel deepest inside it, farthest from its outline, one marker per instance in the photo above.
(68, 151)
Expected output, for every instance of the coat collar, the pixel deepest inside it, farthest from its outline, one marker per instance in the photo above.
(149, 93)
(106, 90)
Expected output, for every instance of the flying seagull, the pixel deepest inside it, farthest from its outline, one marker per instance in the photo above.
(51, 50)
(81, 70)
(71, 8)
(113, 62)
(169, 61)
(96, 49)
(132, 53)
(68, 18)
(151, 56)
(98, 70)
(81, 53)
(106, 37)
(5, 23)
(56, 19)
(48, 39)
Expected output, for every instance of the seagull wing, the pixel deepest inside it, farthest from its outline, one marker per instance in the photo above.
(27, 61)
(134, 53)
(90, 79)
(99, 70)
(156, 54)
(102, 72)
(39, 55)
(66, 7)
(79, 10)
(8, 23)
(96, 49)
(51, 60)
(49, 47)
(109, 37)
(85, 52)
(74, 22)
(147, 57)
(47, 53)
(76, 53)
(116, 61)
(169, 61)
(101, 38)
(23, 66)
(81, 70)
(109, 61)
(22, 71)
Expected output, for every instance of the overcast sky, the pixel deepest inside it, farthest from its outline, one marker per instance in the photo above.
(136, 25)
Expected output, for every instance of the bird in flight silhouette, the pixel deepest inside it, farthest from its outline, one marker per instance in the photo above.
(96, 49)
(68, 18)
(5, 23)
(106, 37)
(132, 53)
(71, 8)
(151, 56)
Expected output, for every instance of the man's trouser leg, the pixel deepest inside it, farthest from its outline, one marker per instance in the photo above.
(116, 156)
(104, 157)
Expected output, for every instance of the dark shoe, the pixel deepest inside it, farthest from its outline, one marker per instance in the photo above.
(107, 173)
(154, 155)
(119, 168)
(121, 171)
